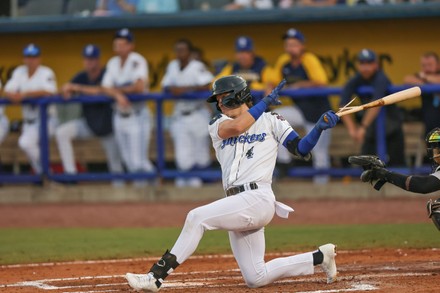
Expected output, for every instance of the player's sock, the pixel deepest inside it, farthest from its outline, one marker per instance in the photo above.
(318, 257)
(164, 267)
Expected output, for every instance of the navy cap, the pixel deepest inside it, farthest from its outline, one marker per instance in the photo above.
(294, 34)
(124, 33)
(91, 51)
(366, 55)
(31, 50)
(244, 43)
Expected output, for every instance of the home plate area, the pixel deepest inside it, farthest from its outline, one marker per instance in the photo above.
(381, 270)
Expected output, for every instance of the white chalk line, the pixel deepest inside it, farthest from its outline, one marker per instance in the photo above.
(194, 283)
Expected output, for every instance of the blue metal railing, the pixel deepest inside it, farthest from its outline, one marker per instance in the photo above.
(211, 174)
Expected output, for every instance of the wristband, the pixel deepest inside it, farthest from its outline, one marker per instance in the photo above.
(257, 110)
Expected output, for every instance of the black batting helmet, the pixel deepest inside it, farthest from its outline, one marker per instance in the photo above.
(236, 86)
(433, 145)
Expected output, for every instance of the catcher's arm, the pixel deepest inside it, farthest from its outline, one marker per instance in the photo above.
(375, 171)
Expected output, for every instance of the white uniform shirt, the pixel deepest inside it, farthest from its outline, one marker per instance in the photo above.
(42, 79)
(258, 4)
(194, 74)
(134, 68)
(251, 156)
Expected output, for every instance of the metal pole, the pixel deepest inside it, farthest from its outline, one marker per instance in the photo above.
(14, 8)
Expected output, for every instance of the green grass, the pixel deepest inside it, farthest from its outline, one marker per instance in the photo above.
(42, 245)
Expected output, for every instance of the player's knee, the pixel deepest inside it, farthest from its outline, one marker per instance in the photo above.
(255, 282)
(194, 218)
(61, 133)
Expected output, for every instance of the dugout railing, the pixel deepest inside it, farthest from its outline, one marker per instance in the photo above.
(164, 172)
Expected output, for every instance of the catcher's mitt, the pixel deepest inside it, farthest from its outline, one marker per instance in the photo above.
(373, 169)
(433, 208)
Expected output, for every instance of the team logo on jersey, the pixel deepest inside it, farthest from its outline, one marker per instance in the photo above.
(250, 153)
(279, 117)
(244, 138)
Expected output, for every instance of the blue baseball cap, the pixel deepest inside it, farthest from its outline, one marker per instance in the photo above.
(31, 50)
(124, 33)
(91, 51)
(294, 34)
(366, 55)
(244, 43)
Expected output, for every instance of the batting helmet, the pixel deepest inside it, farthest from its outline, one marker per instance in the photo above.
(236, 87)
(433, 145)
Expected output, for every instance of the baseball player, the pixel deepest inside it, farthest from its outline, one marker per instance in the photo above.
(4, 121)
(127, 73)
(302, 69)
(246, 140)
(376, 174)
(32, 80)
(188, 126)
(96, 118)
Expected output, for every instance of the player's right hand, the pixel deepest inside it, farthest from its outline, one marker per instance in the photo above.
(122, 102)
(327, 120)
(272, 98)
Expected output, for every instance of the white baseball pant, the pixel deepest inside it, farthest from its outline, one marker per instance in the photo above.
(244, 215)
(320, 153)
(133, 137)
(29, 141)
(78, 128)
(4, 127)
(191, 139)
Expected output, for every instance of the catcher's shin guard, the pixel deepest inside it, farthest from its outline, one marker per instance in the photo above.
(433, 208)
(164, 267)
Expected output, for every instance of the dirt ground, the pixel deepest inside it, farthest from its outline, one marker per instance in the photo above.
(379, 270)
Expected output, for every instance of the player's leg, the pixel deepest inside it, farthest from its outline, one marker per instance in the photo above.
(248, 211)
(64, 134)
(114, 160)
(28, 142)
(320, 153)
(248, 248)
(146, 127)
(201, 142)
(120, 128)
(4, 126)
(180, 130)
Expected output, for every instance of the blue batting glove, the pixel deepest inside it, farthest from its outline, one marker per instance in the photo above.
(272, 98)
(327, 120)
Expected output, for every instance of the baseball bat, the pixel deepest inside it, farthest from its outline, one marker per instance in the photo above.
(387, 100)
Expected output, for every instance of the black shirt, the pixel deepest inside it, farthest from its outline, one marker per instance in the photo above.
(98, 115)
(380, 83)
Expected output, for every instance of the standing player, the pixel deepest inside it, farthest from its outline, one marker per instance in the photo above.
(246, 140)
(248, 65)
(32, 80)
(188, 127)
(127, 73)
(97, 117)
(303, 69)
(414, 183)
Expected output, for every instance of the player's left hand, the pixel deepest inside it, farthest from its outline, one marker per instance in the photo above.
(272, 98)
(327, 120)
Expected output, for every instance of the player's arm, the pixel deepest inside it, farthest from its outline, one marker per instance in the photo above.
(315, 71)
(240, 124)
(118, 96)
(137, 87)
(301, 147)
(413, 79)
(82, 89)
(18, 97)
(413, 183)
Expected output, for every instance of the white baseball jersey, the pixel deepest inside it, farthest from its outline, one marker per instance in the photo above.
(251, 156)
(42, 79)
(194, 74)
(118, 75)
(132, 133)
